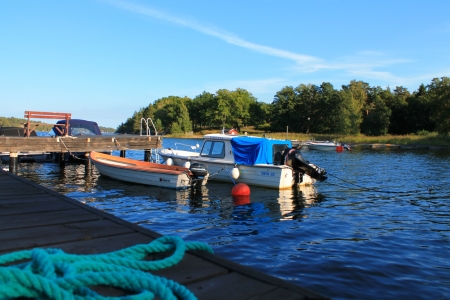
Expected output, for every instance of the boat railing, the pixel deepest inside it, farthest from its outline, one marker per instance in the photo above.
(147, 123)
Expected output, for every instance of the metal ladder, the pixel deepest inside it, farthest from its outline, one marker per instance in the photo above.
(154, 155)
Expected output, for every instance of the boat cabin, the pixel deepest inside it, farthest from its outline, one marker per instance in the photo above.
(244, 150)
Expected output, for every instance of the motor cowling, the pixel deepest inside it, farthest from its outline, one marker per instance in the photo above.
(200, 174)
(295, 160)
(199, 170)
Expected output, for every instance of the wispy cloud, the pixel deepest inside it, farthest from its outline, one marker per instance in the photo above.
(363, 64)
(300, 59)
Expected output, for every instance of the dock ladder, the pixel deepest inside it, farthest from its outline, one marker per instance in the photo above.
(150, 154)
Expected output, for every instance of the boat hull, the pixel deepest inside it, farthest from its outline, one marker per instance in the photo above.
(142, 172)
(271, 176)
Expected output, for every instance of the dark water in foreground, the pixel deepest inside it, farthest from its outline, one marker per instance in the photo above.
(337, 238)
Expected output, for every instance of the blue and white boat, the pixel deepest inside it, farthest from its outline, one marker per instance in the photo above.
(252, 160)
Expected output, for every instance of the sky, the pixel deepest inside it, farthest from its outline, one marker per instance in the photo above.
(104, 60)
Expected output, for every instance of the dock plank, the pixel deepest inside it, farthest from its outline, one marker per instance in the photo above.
(25, 208)
(41, 197)
(44, 236)
(230, 286)
(43, 218)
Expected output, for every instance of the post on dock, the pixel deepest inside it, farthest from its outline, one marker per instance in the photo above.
(147, 155)
(61, 159)
(87, 163)
(123, 153)
(13, 162)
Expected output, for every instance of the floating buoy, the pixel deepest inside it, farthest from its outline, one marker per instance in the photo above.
(169, 161)
(339, 148)
(241, 200)
(240, 189)
(235, 173)
(241, 194)
(187, 164)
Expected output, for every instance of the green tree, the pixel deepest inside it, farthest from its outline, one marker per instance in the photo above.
(201, 110)
(241, 100)
(283, 109)
(419, 115)
(376, 122)
(173, 114)
(259, 113)
(439, 91)
(359, 103)
(397, 103)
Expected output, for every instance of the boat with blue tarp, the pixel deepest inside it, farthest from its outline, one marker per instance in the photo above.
(252, 160)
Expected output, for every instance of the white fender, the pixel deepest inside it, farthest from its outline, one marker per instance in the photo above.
(169, 161)
(187, 164)
(235, 173)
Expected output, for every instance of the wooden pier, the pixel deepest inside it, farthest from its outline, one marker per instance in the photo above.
(79, 143)
(33, 216)
(61, 145)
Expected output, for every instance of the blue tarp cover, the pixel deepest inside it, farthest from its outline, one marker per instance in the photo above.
(251, 150)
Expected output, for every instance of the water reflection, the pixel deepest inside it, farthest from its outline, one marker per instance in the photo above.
(214, 199)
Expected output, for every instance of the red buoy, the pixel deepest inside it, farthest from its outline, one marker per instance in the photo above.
(241, 200)
(339, 148)
(240, 189)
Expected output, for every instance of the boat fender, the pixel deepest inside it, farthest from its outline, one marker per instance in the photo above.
(169, 161)
(187, 164)
(235, 173)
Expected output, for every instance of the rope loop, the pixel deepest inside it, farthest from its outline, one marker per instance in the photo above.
(54, 274)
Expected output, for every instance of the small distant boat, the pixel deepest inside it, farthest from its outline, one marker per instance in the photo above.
(326, 146)
(148, 173)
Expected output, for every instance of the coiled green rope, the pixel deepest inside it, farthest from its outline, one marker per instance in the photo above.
(54, 274)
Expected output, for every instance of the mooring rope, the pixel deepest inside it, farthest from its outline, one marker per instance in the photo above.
(70, 153)
(362, 188)
(54, 274)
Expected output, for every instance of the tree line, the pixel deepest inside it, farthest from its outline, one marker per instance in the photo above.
(321, 109)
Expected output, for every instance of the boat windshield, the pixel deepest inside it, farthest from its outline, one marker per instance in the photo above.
(213, 149)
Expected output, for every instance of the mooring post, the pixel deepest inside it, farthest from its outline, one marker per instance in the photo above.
(123, 153)
(61, 159)
(87, 163)
(13, 162)
(147, 155)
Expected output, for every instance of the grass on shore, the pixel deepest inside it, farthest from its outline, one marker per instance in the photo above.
(422, 138)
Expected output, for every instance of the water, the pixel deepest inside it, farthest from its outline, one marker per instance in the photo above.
(342, 238)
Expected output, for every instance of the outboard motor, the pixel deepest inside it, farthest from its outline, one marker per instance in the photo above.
(200, 173)
(298, 163)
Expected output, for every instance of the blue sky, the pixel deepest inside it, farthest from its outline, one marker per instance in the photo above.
(103, 60)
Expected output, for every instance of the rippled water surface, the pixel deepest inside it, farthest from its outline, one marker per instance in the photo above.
(379, 227)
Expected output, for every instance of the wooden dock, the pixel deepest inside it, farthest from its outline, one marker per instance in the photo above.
(79, 143)
(32, 216)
